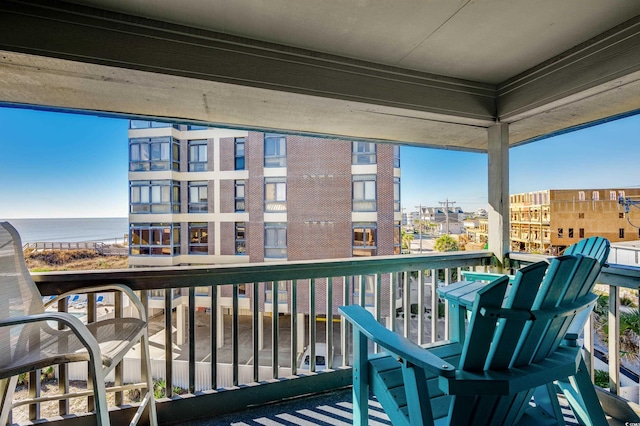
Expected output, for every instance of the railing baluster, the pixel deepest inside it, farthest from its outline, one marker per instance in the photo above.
(213, 339)
(168, 342)
(255, 325)
(312, 324)
(34, 392)
(275, 295)
(294, 327)
(344, 331)
(329, 324)
(119, 370)
(420, 306)
(434, 305)
(614, 339)
(406, 305)
(393, 294)
(235, 334)
(91, 317)
(447, 281)
(63, 369)
(588, 344)
(192, 340)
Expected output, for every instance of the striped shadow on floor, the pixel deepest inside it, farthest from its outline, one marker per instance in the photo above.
(328, 409)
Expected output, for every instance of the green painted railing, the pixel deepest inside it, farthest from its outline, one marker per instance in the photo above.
(249, 338)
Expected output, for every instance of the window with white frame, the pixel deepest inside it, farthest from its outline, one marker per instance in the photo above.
(154, 196)
(155, 239)
(198, 155)
(275, 150)
(365, 239)
(275, 240)
(363, 153)
(198, 197)
(364, 193)
(396, 194)
(275, 195)
(241, 238)
(239, 196)
(396, 156)
(239, 145)
(150, 154)
(581, 196)
(198, 238)
(595, 195)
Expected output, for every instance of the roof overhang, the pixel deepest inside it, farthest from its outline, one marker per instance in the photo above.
(89, 59)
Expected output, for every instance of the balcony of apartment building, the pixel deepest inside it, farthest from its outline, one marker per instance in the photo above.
(527, 73)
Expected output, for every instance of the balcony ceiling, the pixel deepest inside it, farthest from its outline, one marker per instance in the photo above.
(434, 73)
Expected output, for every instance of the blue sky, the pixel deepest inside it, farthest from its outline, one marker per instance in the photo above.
(70, 165)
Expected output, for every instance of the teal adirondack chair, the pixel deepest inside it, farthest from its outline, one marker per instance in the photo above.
(516, 346)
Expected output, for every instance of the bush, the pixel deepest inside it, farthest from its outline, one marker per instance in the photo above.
(60, 257)
(446, 243)
(601, 378)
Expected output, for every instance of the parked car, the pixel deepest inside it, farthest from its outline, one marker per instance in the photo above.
(321, 357)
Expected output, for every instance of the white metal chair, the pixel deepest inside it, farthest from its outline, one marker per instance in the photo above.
(30, 339)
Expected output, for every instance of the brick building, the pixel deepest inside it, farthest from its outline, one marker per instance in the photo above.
(203, 195)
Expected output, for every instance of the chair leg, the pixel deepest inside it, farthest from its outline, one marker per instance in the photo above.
(147, 375)
(582, 397)
(99, 392)
(7, 388)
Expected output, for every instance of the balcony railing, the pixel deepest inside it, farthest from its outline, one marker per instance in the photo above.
(214, 344)
(227, 351)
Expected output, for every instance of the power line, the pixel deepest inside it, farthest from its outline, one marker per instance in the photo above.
(446, 210)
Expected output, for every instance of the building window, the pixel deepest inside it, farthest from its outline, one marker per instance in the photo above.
(595, 195)
(570, 232)
(198, 155)
(241, 238)
(620, 194)
(396, 194)
(239, 196)
(198, 238)
(581, 233)
(146, 124)
(239, 153)
(363, 153)
(198, 199)
(396, 156)
(275, 151)
(620, 215)
(397, 238)
(580, 215)
(581, 196)
(275, 195)
(621, 233)
(150, 154)
(196, 127)
(364, 193)
(613, 196)
(275, 240)
(154, 239)
(560, 232)
(364, 239)
(155, 196)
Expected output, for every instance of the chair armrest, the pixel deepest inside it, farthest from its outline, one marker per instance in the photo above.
(103, 288)
(395, 343)
(74, 324)
(484, 276)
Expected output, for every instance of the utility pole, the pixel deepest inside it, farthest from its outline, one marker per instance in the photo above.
(446, 211)
(420, 224)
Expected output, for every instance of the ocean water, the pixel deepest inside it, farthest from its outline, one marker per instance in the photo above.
(107, 230)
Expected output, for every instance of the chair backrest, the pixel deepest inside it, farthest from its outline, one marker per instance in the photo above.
(18, 293)
(596, 247)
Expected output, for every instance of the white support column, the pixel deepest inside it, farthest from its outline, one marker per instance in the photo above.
(260, 331)
(220, 322)
(499, 229)
(301, 324)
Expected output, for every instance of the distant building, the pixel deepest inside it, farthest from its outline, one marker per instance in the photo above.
(548, 221)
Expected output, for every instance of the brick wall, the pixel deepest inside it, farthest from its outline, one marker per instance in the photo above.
(227, 238)
(254, 192)
(318, 198)
(227, 154)
(385, 199)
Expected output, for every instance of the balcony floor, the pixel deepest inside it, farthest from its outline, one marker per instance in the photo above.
(332, 408)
